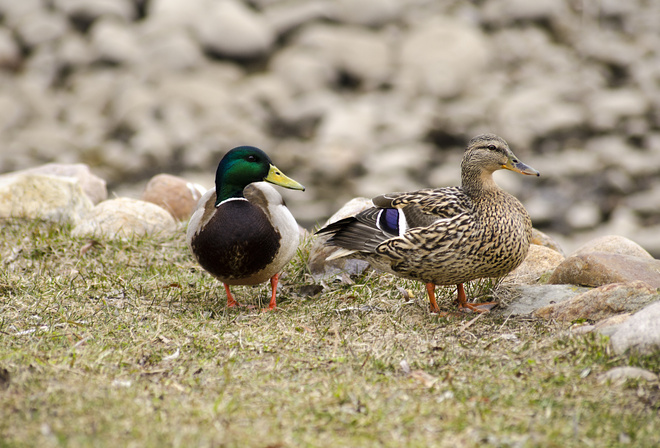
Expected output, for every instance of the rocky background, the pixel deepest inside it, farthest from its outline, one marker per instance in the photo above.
(349, 97)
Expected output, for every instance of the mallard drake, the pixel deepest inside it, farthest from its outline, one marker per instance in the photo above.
(445, 236)
(241, 232)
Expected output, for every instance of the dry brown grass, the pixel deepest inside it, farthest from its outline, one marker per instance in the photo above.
(129, 344)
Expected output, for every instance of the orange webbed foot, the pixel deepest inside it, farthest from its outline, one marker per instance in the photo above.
(464, 306)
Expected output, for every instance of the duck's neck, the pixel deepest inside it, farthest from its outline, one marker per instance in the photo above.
(478, 183)
(226, 191)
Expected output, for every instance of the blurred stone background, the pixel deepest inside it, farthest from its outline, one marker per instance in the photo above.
(349, 97)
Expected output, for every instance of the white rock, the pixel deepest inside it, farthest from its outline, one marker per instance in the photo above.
(12, 8)
(74, 50)
(583, 215)
(125, 218)
(645, 202)
(42, 67)
(649, 238)
(168, 49)
(540, 260)
(12, 112)
(209, 90)
(348, 123)
(615, 152)
(10, 54)
(535, 110)
(230, 29)
(440, 56)
(368, 12)
(116, 41)
(179, 124)
(615, 244)
(623, 373)
(363, 54)
(46, 140)
(287, 16)
(35, 196)
(640, 333)
(345, 136)
(93, 186)
(151, 141)
(42, 27)
(507, 11)
(609, 107)
(173, 13)
(93, 9)
(302, 69)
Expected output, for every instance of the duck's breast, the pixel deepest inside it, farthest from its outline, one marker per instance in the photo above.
(237, 244)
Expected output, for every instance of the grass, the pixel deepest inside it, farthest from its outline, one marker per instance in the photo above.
(128, 343)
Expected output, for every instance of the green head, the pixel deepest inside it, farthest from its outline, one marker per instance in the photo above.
(243, 165)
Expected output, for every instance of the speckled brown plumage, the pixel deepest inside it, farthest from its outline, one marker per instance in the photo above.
(445, 236)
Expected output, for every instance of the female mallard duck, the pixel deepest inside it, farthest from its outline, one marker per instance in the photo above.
(241, 232)
(445, 236)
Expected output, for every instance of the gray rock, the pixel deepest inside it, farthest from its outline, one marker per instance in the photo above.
(125, 218)
(528, 298)
(610, 325)
(602, 302)
(640, 333)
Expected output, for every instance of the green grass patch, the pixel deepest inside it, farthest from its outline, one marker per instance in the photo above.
(129, 343)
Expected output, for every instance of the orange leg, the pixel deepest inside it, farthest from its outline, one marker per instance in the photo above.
(273, 283)
(430, 290)
(463, 304)
(231, 302)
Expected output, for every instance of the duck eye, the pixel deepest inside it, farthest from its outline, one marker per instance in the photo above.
(251, 158)
(492, 147)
